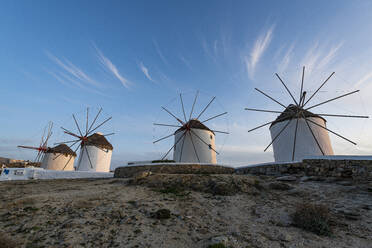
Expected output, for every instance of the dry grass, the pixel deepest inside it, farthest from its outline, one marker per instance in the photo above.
(313, 218)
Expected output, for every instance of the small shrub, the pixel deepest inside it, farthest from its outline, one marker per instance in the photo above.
(162, 214)
(313, 218)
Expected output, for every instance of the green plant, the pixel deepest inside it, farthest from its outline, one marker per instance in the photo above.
(313, 218)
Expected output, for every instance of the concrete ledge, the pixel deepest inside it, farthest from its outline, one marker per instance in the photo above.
(173, 168)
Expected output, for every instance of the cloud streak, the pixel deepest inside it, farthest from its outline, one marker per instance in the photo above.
(318, 58)
(110, 67)
(261, 44)
(157, 48)
(72, 69)
(283, 65)
(145, 71)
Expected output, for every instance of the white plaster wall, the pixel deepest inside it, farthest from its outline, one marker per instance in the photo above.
(56, 161)
(101, 159)
(305, 143)
(205, 154)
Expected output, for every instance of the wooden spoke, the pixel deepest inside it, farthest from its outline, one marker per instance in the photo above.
(206, 107)
(209, 145)
(193, 105)
(294, 140)
(285, 86)
(183, 108)
(316, 105)
(163, 138)
(193, 145)
(350, 116)
(318, 89)
(100, 125)
(214, 117)
(332, 131)
(216, 131)
(166, 125)
(272, 141)
(263, 110)
(312, 133)
(94, 121)
(174, 145)
(270, 98)
(302, 84)
(90, 161)
(178, 119)
(81, 134)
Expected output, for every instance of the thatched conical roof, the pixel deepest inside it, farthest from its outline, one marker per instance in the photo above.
(193, 123)
(98, 140)
(289, 113)
(62, 148)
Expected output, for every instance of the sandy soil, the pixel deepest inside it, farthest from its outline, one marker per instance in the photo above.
(238, 210)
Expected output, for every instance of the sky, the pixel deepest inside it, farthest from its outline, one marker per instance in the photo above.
(132, 57)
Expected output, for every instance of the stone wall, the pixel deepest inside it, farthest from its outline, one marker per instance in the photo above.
(354, 169)
(167, 168)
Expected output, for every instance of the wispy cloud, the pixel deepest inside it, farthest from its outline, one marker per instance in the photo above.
(186, 62)
(145, 71)
(109, 66)
(209, 51)
(72, 69)
(318, 58)
(261, 44)
(283, 64)
(367, 77)
(157, 48)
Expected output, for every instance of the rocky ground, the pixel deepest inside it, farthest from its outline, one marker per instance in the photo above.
(162, 210)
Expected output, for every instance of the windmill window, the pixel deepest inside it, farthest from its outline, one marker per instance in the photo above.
(211, 136)
(210, 146)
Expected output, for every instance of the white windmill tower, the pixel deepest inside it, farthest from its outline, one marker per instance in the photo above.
(60, 157)
(194, 142)
(95, 150)
(43, 147)
(297, 132)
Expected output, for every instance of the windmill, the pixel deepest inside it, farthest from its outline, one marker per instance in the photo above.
(43, 147)
(297, 132)
(95, 150)
(60, 157)
(194, 142)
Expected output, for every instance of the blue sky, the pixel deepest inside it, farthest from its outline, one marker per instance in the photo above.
(132, 57)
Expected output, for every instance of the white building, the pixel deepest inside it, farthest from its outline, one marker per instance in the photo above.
(99, 154)
(60, 157)
(306, 145)
(190, 148)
